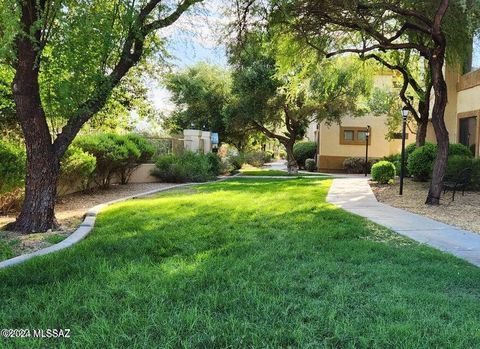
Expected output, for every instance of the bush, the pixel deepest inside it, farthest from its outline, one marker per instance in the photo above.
(255, 159)
(268, 156)
(186, 167)
(420, 162)
(383, 172)
(12, 167)
(215, 164)
(76, 168)
(357, 165)
(146, 148)
(303, 151)
(114, 154)
(457, 164)
(236, 161)
(459, 150)
(282, 154)
(310, 165)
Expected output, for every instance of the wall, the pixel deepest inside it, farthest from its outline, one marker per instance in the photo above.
(332, 153)
(140, 175)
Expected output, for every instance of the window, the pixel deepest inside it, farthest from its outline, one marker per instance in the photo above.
(348, 135)
(354, 136)
(362, 136)
(472, 62)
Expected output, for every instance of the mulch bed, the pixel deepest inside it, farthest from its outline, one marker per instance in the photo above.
(464, 212)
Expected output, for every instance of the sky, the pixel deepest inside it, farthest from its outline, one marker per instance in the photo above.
(193, 38)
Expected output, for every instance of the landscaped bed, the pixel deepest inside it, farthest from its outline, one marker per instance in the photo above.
(70, 210)
(243, 263)
(464, 212)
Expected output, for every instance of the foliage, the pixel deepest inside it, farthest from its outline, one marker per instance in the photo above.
(458, 149)
(186, 167)
(356, 165)
(303, 151)
(236, 161)
(458, 163)
(420, 162)
(216, 166)
(244, 245)
(114, 154)
(424, 163)
(76, 168)
(383, 172)
(310, 165)
(12, 166)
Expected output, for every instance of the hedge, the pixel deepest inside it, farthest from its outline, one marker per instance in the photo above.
(303, 151)
(186, 167)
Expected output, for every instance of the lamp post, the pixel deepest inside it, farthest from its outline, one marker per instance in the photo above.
(405, 112)
(367, 136)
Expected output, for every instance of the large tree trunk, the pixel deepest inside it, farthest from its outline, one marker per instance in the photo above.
(440, 89)
(292, 164)
(43, 164)
(421, 135)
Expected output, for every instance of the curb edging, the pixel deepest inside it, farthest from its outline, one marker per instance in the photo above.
(87, 225)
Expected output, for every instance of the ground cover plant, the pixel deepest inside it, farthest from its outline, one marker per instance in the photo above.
(243, 263)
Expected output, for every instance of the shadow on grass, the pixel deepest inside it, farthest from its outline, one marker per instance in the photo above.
(245, 264)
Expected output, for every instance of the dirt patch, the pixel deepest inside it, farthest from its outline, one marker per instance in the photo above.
(462, 213)
(69, 211)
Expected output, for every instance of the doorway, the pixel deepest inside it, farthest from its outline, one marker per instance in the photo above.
(468, 133)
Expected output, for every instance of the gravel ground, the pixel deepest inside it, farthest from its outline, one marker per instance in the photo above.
(69, 211)
(464, 212)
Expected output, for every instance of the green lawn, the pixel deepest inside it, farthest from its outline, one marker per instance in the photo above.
(274, 173)
(243, 264)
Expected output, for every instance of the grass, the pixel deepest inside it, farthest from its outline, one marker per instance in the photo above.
(265, 172)
(243, 264)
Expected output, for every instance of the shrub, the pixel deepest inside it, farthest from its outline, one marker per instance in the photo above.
(186, 167)
(215, 164)
(303, 151)
(12, 167)
(268, 156)
(357, 165)
(282, 154)
(458, 149)
(457, 164)
(236, 161)
(383, 172)
(76, 168)
(146, 148)
(420, 162)
(310, 165)
(256, 159)
(114, 154)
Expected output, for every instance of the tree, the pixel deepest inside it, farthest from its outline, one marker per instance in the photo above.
(379, 26)
(92, 46)
(414, 88)
(281, 98)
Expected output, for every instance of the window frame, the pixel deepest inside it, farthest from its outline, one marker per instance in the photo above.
(355, 140)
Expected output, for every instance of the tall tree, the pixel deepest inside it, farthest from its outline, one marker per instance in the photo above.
(282, 94)
(93, 46)
(379, 26)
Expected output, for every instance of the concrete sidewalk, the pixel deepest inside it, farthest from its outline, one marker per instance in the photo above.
(355, 195)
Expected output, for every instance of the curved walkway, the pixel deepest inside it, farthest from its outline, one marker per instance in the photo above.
(354, 194)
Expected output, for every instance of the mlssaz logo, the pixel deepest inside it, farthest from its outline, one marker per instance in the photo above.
(52, 333)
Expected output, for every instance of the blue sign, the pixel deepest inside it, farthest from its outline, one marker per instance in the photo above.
(214, 138)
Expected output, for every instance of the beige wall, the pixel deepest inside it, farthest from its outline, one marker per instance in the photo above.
(142, 174)
(379, 146)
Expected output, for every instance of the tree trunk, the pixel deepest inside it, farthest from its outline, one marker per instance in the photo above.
(440, 89)
(292, 164)
(421, 135)
(43, 164)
